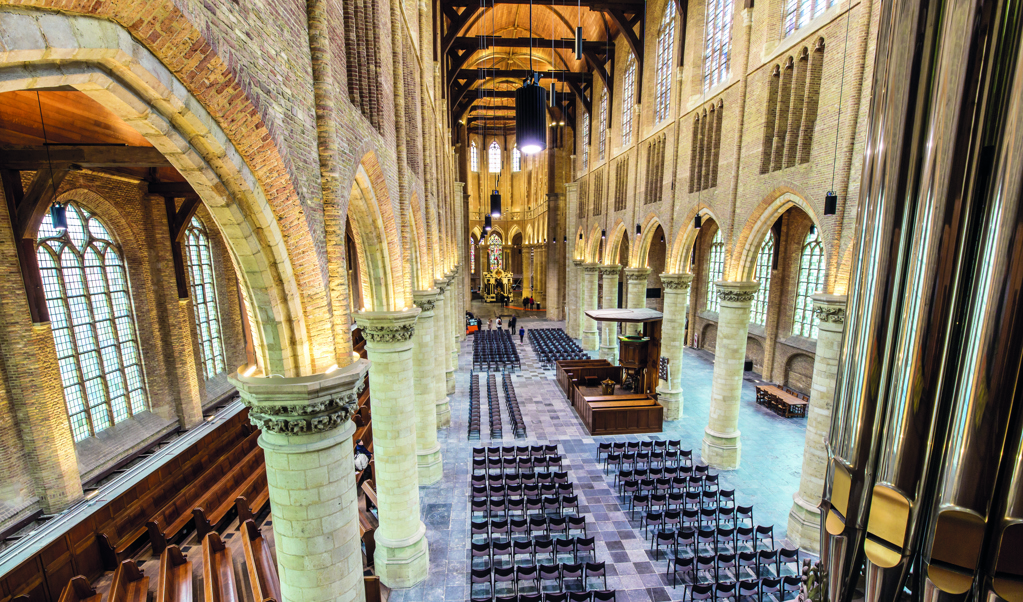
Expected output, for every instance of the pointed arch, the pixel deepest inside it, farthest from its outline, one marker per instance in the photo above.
(593, 244)
(640, 255)
(612, 248)
(369, 211)
(682, 247)
(743, 261)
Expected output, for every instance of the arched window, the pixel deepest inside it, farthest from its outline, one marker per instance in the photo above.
(586, 142)
(799, 13)
(516, 159)
(496, 253)
(716, 271)
(665, 53)
(472, 256)
(494, 157)
(628, 100)
(602, 134)
(718, 42)
(199, 260)
(474, 158)
(765, 261)
(811, 281)
(86, 288)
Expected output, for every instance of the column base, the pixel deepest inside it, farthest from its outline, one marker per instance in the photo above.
(431, 466)
(804, 529)
(402, 563)
(449, 380)
(443, 413)
(721, 451)
(591, 341)
(608, 353)
(672, 402)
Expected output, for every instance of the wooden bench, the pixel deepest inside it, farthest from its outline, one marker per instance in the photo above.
(78, 590)
(129, 584)
(254, 497)
(262, 569)
(217, 571)
(372, 583)
(214, 506)
(174, 584)
(781, 402)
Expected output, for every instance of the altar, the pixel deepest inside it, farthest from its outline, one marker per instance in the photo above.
(495, 282)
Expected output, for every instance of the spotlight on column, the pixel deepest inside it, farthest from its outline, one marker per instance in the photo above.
(830, 203)
(698, 221)
(58, 216)
(488, 224)
(638, 229)
(495, 204)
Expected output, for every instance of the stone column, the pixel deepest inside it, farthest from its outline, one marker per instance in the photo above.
(186, 371)
(402, 556)
(721, 448)
(310, 470)
(424, 350)
(573, 323)
(440, 387)
(450, 346)
(804, 518)
(589, 301)
(635, 285)
(673, 327)
(609, 330)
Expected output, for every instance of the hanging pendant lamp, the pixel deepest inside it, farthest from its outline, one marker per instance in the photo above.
(531, 116)
(58, 216)
(488, 224)
(495, 203)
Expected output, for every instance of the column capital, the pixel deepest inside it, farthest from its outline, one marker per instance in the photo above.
(578, 262)
(304, 405)
(737, 294)
(442, 284)
(591, 268)
(388, 327)
(676, 282)
(610, 270)
(829, 311)
(637, 274)
(426, 301)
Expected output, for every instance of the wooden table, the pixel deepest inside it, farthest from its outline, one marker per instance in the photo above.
(781, 402)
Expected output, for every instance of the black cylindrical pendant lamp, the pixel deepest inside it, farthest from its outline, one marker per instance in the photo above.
(638, 230)
(578, 43)
(830, 203)
(698, 221)
(495, 204)
(58, 216)
(554, 91)
(603, 234)
(531, 116)
(488, 224)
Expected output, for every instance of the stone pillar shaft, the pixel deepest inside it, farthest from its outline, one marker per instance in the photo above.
(721, 446)
(424, 350)
(676, 301)
(402, 555)
(804, 518)
(635, 291)
(573, 322)
(440, 358)
(310, 471)
(609, 330)
(449, 343)
(589, 301)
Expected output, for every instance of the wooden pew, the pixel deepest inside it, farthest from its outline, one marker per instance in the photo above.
(217, 571)
(217, 502)
(566, 370)
(254, 497)
(77, 590)
(174, 584)
(372, 583)
(129, 584)
(262, 570)
(369, 540)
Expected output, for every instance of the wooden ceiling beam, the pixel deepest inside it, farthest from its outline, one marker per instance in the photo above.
(473, 43)
(37, 200)
(31, 158)
(628, 5)
(627, 24)
(522, 74)
(176, 190)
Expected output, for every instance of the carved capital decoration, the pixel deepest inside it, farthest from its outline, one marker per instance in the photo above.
(634, 277)
(426, 304)
(834, 315)
(316, 417)
(736, 296)
(591, 269)
(677, 282)
(388, 334)
(610, 271)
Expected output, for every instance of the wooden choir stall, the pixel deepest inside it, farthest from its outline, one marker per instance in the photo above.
(615, 400)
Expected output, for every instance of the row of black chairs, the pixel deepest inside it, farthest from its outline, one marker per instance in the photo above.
(603, 449)
(512, 464)
(500, 490)
(551, 527)
(494, 351)
(714, 540)
(605, 596)
(552, 345)
(514, 451)
(741, 566)
(525, 552)
(548, 505)
(700, 472)
(781, 590)
(542, 579)
(514, 412)
(474, 407)
(494, 405)
(509, 479)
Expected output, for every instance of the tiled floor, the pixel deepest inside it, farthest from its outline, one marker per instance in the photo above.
(769, 475)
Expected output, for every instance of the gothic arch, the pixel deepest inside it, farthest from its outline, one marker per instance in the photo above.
(370, 215)
(612, 249)
(641, 254)
(593, 245)
(743, 260)
(682, 248)
(579, 244)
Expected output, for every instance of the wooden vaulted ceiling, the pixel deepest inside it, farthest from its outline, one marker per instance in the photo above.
(487, 49)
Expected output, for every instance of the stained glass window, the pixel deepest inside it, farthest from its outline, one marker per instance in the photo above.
(716, 271)
(718, 42)
(811, 281)
(86, 288)
(205, 309)
(496, 253)
(602, 134)
(799, 13)
(586, 142)
(765, 261)
(474, 158)
(516, 159)
(628, 100)
(494, 157)
(472, 256)
(665, 53)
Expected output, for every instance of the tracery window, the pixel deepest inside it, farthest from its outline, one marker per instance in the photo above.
(665, 53)
(765, 261)
(718, 42)
(516, 159)
(205, 309)
(602, 134)
(628, 99)
(716, 271)
(798, 13)
(811, 281)
(86, 288)
(474, 158)
(496, 253)
(494, 157)
(586, 142)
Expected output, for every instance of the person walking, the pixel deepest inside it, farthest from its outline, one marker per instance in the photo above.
(499, 323)
(511, 324)
(522, 334)
(490, 324)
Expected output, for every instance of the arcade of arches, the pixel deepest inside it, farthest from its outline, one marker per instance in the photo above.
(264, 224)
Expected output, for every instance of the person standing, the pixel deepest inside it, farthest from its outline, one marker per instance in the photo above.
(499, 323)
(522, 334)
(490, 324)
(511, 324)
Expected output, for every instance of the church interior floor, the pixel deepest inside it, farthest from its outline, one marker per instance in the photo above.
(768, 476)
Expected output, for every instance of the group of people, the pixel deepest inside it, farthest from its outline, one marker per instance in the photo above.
(511, 327)
(530, 303)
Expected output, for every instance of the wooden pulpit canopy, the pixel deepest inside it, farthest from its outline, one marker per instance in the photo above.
(625, 315)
